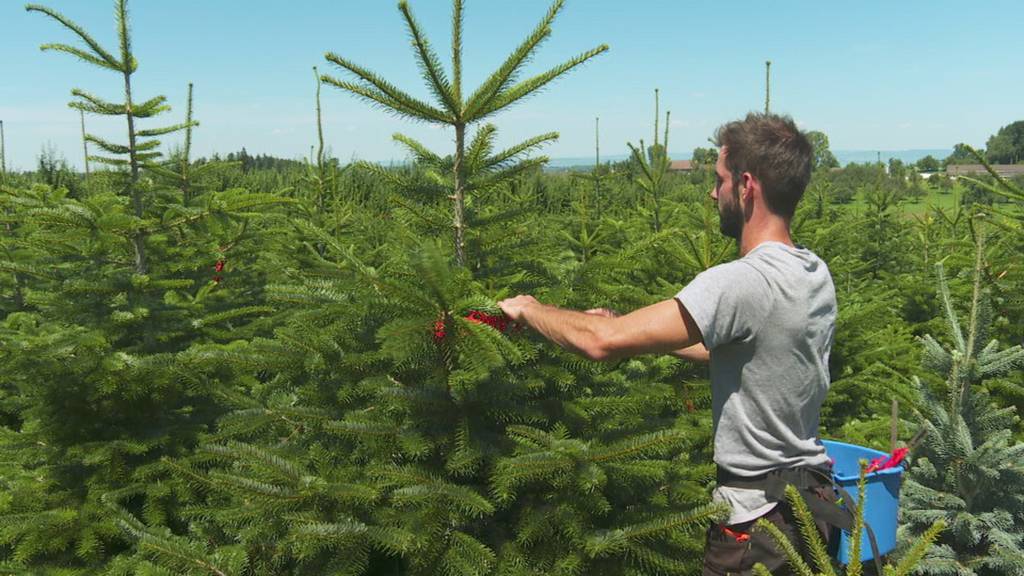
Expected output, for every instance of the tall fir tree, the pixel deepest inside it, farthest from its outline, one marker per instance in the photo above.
(112, 297)
(399, 422)
(587, 237)
(500, 90)
(654, 164)
(141, 144)
(968, 469)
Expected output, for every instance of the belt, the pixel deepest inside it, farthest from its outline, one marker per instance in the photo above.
(774, 482)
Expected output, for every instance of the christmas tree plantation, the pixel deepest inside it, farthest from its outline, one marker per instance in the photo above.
(268, 367)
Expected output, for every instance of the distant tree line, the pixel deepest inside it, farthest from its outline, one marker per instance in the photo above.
(1006, 146)
(249, 162)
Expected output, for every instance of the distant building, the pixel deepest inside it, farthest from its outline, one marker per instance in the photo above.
(681, 166)
(1004, 170)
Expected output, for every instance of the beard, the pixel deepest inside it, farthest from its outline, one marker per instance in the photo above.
(730, 219)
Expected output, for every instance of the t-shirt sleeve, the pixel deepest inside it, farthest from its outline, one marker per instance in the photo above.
(728, 302)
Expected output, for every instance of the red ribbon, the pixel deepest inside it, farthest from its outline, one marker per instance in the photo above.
(736, 534)
(438, 330)
(218, 268)
(889, 461)
(499, 322)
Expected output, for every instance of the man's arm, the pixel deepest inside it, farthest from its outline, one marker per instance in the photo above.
(695, 353)
(659, 328)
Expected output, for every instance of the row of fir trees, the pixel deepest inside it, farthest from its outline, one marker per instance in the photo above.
(301, 369)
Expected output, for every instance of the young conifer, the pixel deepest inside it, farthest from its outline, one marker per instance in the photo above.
(587, 240)
(654, 167)
(500, 90)
(100, 357)
(814, 546)
(180, 175)
(322, 179)
(140, 149)
(967, 470)
(1003, 187)
(597, 175)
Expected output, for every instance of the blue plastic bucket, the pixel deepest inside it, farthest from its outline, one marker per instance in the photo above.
(882, 493)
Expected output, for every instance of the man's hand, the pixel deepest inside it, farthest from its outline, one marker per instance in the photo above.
(515, 308)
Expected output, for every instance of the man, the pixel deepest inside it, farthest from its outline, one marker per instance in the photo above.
(766, 322)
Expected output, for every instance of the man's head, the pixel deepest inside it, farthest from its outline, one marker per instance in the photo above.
(769, 149)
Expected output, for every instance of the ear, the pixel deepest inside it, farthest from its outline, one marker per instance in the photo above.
(747, 184)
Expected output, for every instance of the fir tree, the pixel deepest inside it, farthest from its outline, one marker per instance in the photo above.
(94, 403)
(812, 543)
(885, 224)
(500, 90)
(1002, 187)
(177, 170)
(141, 145)
(98, 353)
(322, 182)
(329, 209)
(653, 163)
(11, 262)
(397, 427)
(178, 174)
(596, 174)
(967, 471)
(588, 238)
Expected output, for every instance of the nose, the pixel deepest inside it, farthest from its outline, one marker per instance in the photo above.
(714, 192)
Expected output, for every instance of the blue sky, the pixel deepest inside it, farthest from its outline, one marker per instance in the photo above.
(871, 74)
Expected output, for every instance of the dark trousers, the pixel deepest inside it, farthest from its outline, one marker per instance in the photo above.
(735, 551)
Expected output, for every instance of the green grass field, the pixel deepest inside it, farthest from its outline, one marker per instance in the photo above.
(944, 200)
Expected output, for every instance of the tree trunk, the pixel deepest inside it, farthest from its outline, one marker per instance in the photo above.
(597, 166)
(657, 214)
(85, 143)
(458, 198)
(19, 299)
(138, 238)
(3, 155)
(186, 181)
(320, 167)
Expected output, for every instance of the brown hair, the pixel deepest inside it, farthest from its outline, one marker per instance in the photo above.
(774, 151)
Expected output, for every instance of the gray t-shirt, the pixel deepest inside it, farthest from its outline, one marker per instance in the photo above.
(768, 320)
